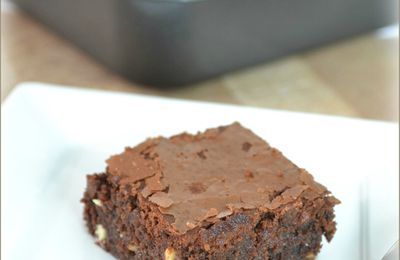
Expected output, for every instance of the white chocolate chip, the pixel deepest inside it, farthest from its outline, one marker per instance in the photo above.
(101, 233)
(170, 253)
(97, 202)
(132, 247)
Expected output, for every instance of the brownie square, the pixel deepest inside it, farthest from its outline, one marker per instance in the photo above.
(221, 194)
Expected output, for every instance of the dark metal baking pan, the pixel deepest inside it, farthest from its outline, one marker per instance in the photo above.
(168, 43)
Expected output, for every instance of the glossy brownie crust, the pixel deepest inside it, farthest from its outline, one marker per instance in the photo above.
(128, 224)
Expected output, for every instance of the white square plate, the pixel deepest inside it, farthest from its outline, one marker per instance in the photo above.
(53, 136)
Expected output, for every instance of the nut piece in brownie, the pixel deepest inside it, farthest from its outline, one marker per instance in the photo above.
(221, 194)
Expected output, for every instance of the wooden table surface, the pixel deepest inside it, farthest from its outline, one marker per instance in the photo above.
(357, 77)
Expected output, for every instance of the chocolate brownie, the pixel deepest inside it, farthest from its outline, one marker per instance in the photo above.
(221, 194)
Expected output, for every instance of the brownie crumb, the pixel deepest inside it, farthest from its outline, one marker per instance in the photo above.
(202, 154)
(248, 175)
(197, 187)
(246, 146)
